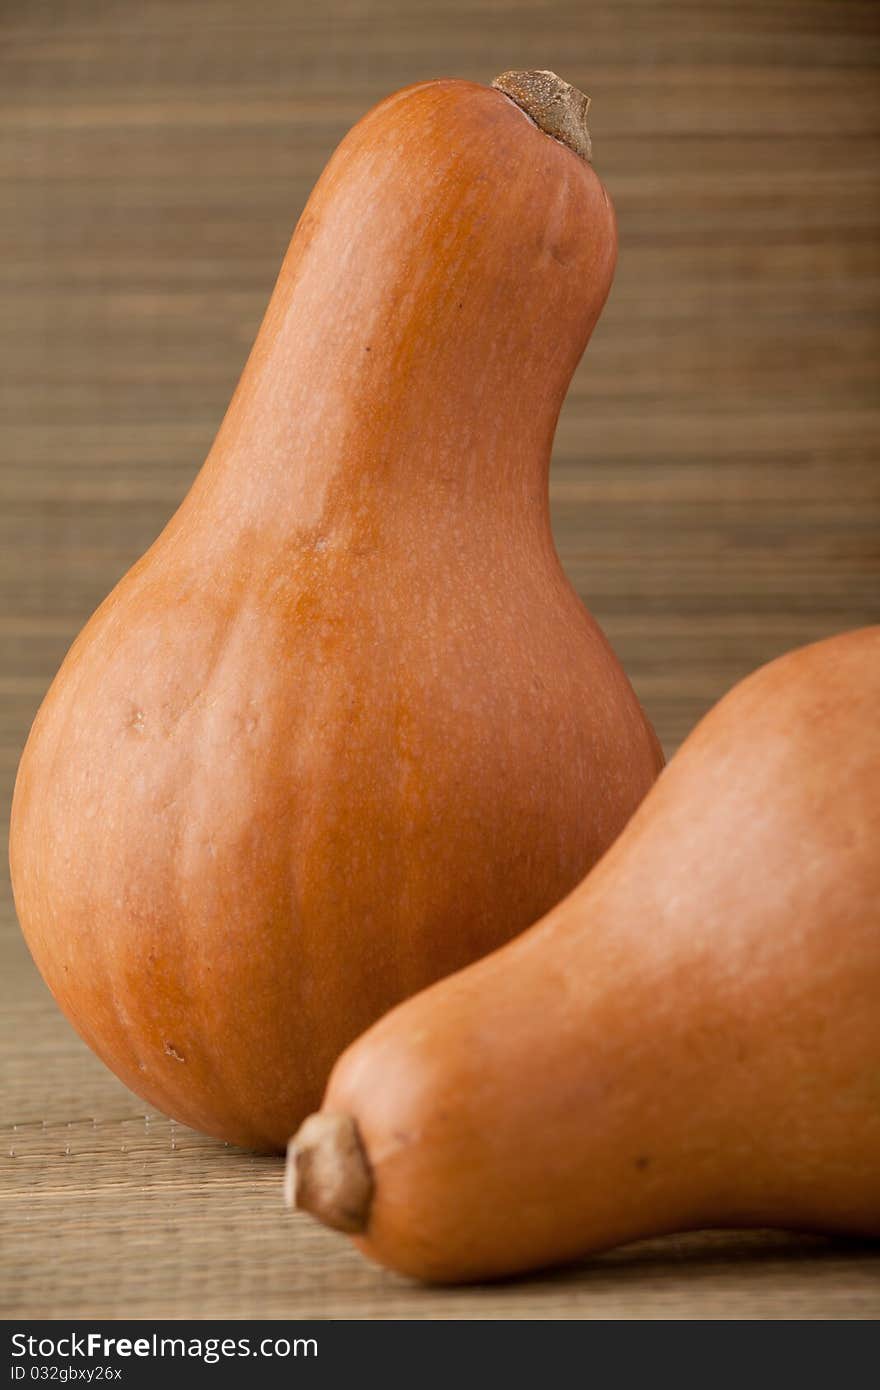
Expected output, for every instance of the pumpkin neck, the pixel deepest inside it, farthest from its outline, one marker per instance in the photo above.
(433, 393)
(465, 448)
(436, 297)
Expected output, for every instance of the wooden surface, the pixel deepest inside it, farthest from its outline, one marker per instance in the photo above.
(715, 489)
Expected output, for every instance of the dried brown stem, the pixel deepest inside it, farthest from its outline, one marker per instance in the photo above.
(328, 1173)
(555, 106)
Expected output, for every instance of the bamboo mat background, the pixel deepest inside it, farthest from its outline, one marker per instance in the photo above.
(715, 487)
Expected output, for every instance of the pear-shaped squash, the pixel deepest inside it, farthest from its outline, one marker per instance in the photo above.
(346, 726)
(691, 1039)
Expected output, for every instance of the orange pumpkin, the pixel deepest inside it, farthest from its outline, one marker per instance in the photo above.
(346, 726)
(692, 1038)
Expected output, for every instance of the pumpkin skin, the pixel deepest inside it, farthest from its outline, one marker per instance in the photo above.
(691, 1039)
(346, 726)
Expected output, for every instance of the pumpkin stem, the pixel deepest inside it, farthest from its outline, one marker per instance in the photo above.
(555, 106)
(328, 1173)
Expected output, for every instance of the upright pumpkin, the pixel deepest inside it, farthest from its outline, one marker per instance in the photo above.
(692, 1038)
(346, 726)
